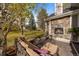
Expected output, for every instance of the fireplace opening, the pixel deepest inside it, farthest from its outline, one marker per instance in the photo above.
(58, 31)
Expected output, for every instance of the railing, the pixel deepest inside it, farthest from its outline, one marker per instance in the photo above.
(75, 48)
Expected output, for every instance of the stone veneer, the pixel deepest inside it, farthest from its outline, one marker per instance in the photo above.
(64, 22)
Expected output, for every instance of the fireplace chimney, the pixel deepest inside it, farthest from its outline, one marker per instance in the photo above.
(58, 8)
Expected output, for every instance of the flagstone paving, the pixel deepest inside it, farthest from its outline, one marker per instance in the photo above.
(64, 49)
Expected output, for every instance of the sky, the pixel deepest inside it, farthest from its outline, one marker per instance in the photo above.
(50, 7)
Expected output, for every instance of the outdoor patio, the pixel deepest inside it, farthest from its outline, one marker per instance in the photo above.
(64, 48)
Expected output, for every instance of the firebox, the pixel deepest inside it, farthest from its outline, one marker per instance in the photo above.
(58, 30)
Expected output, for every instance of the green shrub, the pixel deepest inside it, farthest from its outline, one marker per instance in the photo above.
(5, 26)
(74, 30)
(15, 28)
(33, 34)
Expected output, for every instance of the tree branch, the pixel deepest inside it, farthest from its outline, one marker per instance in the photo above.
(9, 27)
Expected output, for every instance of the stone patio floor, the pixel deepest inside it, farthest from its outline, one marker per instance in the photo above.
(64, 48)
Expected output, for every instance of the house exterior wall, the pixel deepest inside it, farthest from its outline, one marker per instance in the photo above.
(78, 20)
(65, 7)
(78, 26)
(75, 23)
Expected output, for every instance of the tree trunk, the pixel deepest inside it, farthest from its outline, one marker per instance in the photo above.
(5, 37)
(22, 32)
(4, 46)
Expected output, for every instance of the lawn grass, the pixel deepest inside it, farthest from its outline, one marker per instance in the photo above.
(11, 37)
(28, 35)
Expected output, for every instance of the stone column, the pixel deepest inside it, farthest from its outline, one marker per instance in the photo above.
(46, 28)
(50, 27)
(70, 27)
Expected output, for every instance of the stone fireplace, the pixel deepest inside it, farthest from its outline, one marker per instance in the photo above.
(60, 24)
(59, 28)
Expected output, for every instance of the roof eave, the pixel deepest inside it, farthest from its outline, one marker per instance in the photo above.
(63, 15)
